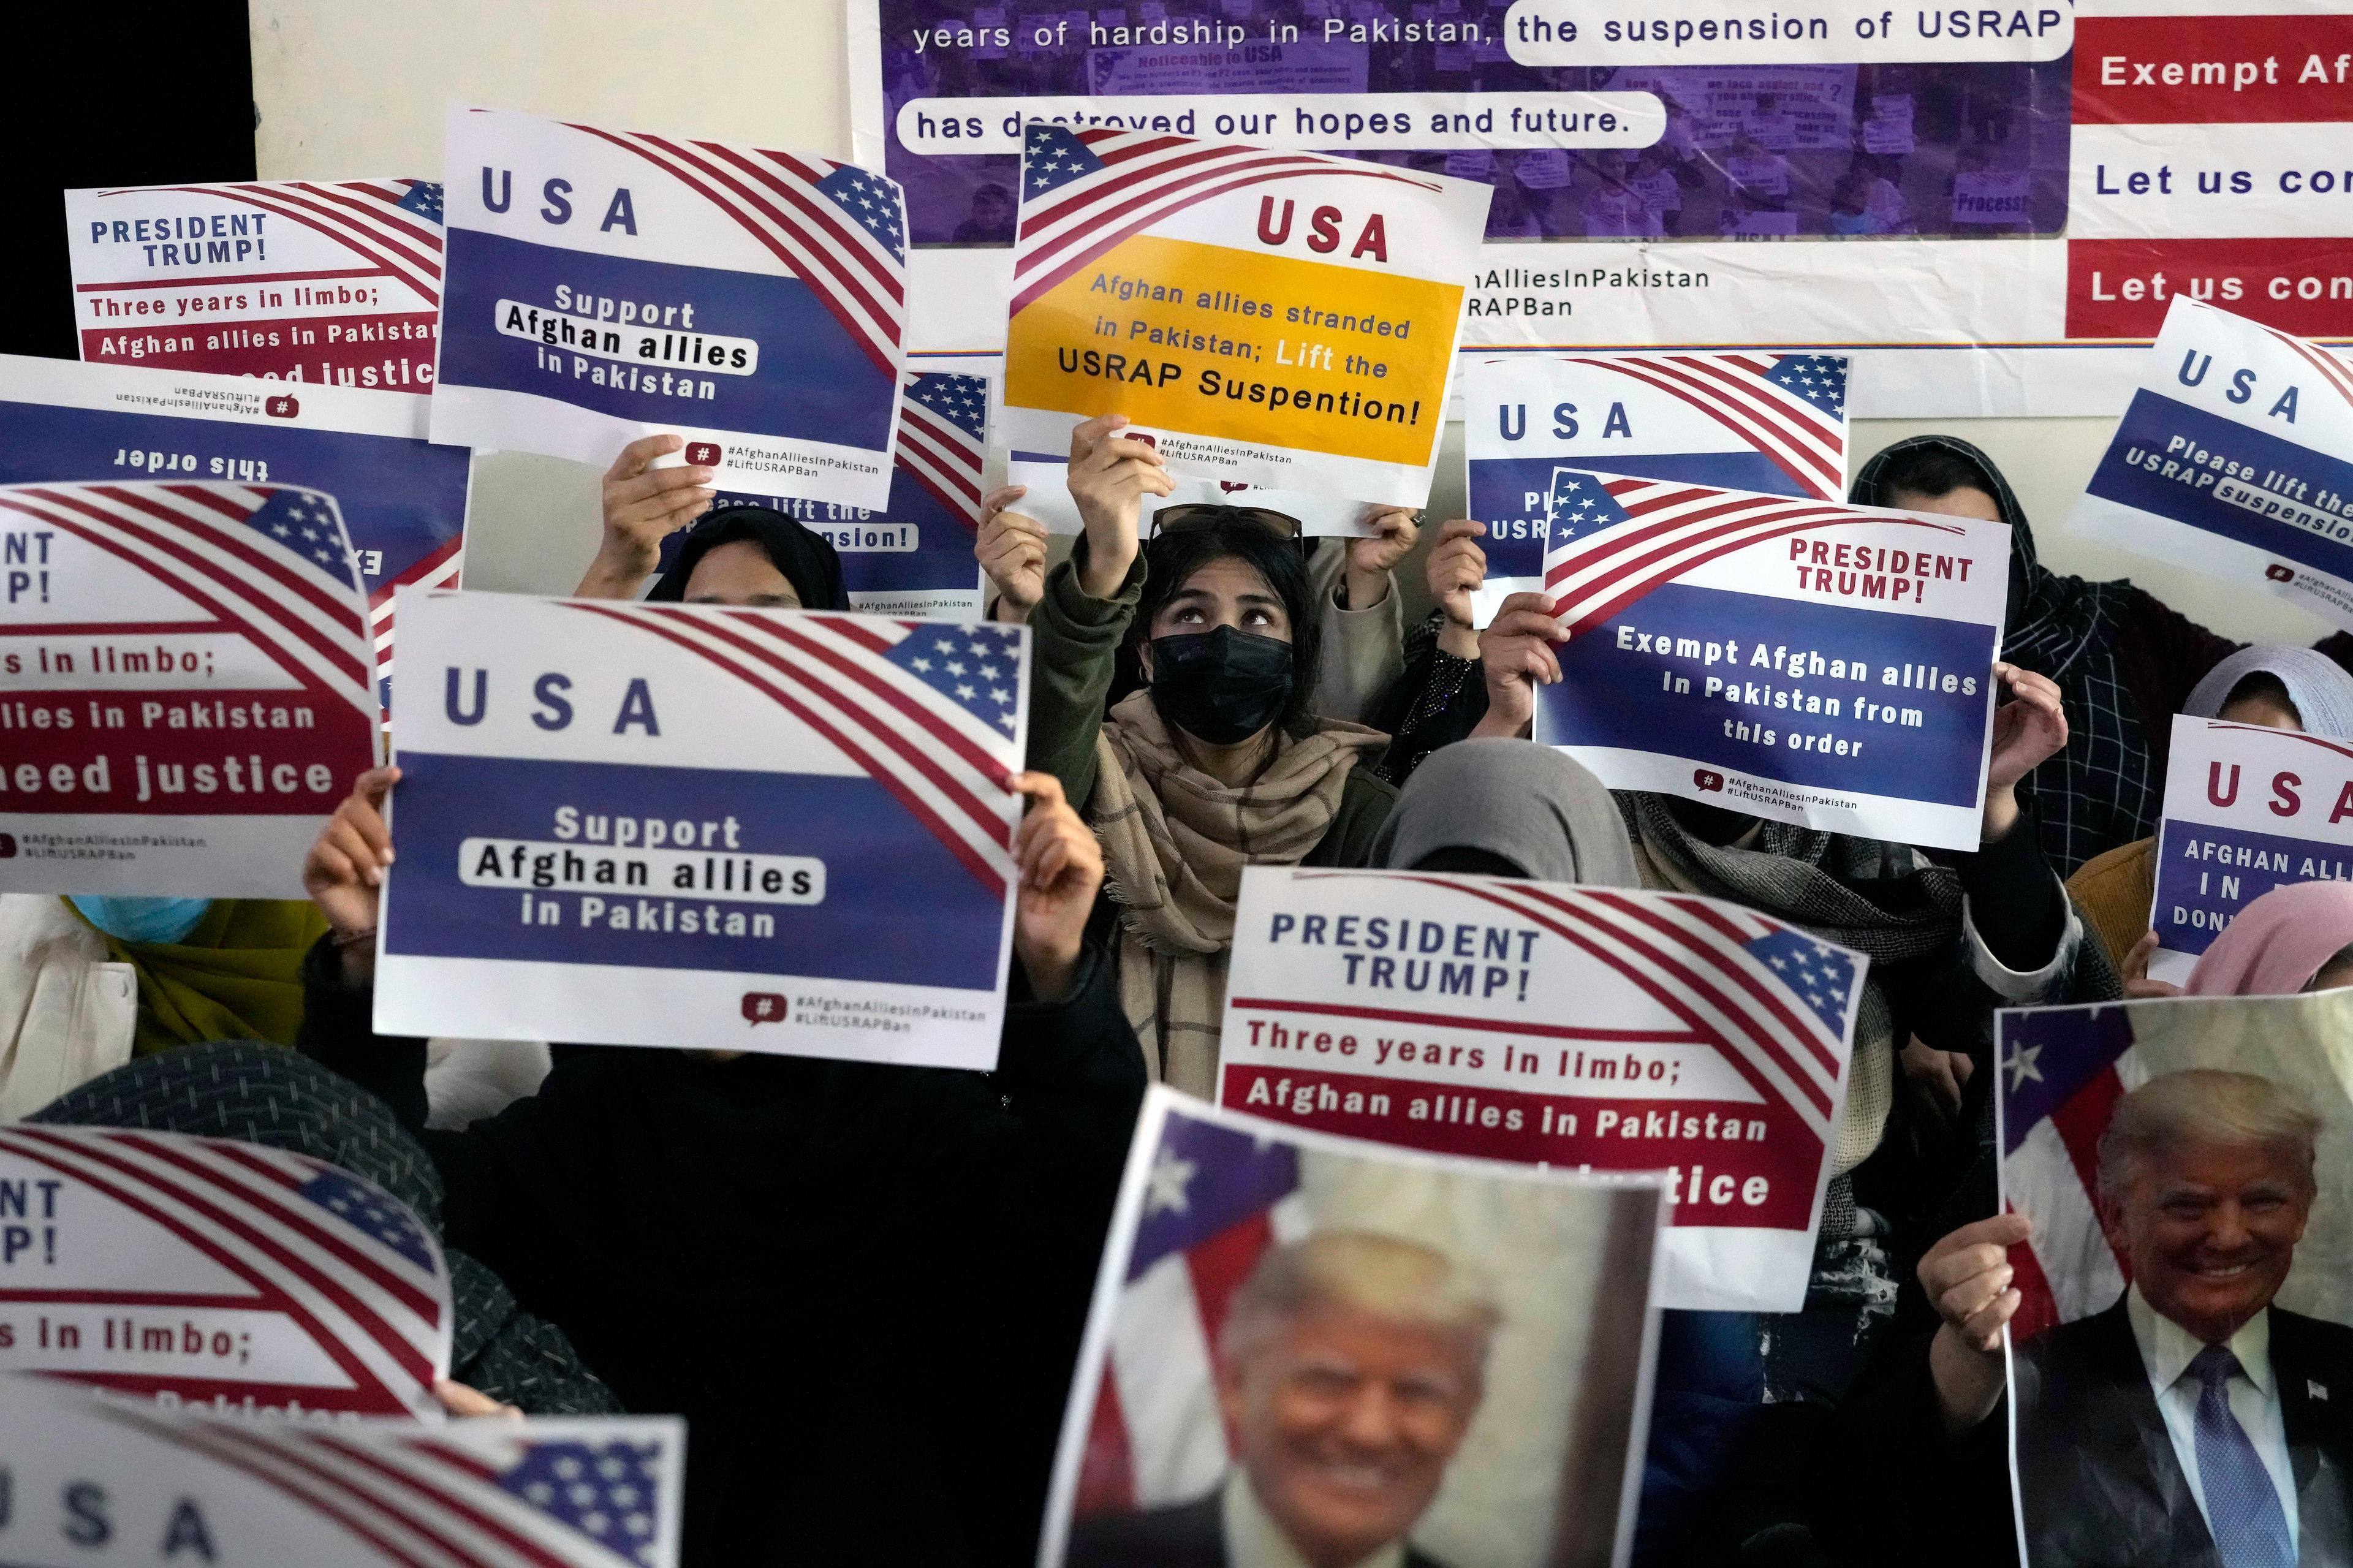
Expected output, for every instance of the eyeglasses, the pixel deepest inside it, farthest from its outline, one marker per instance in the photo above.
(1207, 514)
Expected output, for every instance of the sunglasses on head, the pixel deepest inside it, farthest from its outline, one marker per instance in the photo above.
(1204, 514)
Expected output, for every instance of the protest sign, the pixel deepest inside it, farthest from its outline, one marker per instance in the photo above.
(1281, 318)
(1774, 423)
(1511, 1300)
(330, 283)
(1799, 660)
(1563, 1025)
(605, 285)
(186, 685)
(2247, 808)
(120, 1483)
(213, 1274)
(672, 825)
(2196, 1150)
(914, 557)
(403, 499)
(2232, 460)
(1049, 500)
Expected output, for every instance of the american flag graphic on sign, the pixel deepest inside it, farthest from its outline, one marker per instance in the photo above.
(1613, 539)
(1790, 407)
(1083, 192)
(225, 1273)
(500, 1495)
(2063, 1071)
(838, 228)
(392, 227)
(923, 707)
(944, 438)
(1215, 1201)
(268, 563)
(438, 568)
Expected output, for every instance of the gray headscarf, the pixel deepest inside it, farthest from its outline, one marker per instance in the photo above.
(1527, 804)
(2316, 684)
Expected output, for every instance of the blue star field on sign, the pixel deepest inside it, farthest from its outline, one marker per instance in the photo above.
(873, 202)
(1579, 506)
(607, 1491)
(1820, 976)
(961, 400)
(304, 523)
(1051, 158)
(977, 667)
(424, 199)
(1819, 379)
(364, 1208)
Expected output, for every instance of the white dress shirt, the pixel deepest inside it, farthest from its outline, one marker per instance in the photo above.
(2167, 1349)
(1254, 1541)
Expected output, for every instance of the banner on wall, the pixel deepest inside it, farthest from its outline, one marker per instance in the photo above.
(1803, 661)
(2119, 1293)
(915, 556)
(1286, 320)
(403, 499)
(1774, 423)
(674, 824)
(333, 283)
(605, 285)
(186, 686)
(1578, 1028)
(127, 1483)
(2246, 809)
(2235, 459)
(217, 1275)
(1510, 1302)
(1980, 213)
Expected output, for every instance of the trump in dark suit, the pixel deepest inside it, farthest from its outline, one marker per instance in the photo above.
(1349, 1369)
(2193, 1424)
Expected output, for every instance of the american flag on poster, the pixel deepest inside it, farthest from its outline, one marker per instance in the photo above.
(553, 1492)
(838, 228)
(2063, 1071)
(270, 564)
(1215, 1201)
(944, 438)
(392, 227)
(1613, 539)
(924, 709)
(1790, 407)
(228, 1274)
(437, 568)
(1084, 191)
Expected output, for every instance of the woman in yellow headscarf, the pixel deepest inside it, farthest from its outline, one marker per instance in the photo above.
(209, 968)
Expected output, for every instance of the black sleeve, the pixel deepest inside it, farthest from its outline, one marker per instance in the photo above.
(1888, 1484)
(2015, 901)
(1438, 701)
(339, 1033)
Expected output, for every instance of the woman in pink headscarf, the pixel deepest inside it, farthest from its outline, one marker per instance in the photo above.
(2294, 938)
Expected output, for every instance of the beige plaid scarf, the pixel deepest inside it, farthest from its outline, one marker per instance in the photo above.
(1175, 842)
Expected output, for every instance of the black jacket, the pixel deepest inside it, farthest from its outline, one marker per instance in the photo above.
(1181, 1535)
(863, 1286)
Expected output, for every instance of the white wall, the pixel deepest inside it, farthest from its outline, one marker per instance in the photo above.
(348, 89)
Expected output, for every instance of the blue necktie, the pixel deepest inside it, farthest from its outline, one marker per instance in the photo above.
(2241, 1505)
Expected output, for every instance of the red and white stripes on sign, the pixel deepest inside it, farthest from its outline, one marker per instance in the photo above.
(1690, 956)
(944, 766)
(2053, 1178)
(437, 570)
(362, 216)
(371, 1310)
(1147, 177)
(2335, 371)
(773, 196)
(419, 1503)
(190, 538)
(1675, 528)
(1731, 389)
(944, 460)
(1164, 1345)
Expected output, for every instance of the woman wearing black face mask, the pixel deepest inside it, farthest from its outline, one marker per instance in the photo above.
(1217, 764)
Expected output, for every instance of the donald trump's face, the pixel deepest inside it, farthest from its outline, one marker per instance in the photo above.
(1344, 1422)
(2210, 1229)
